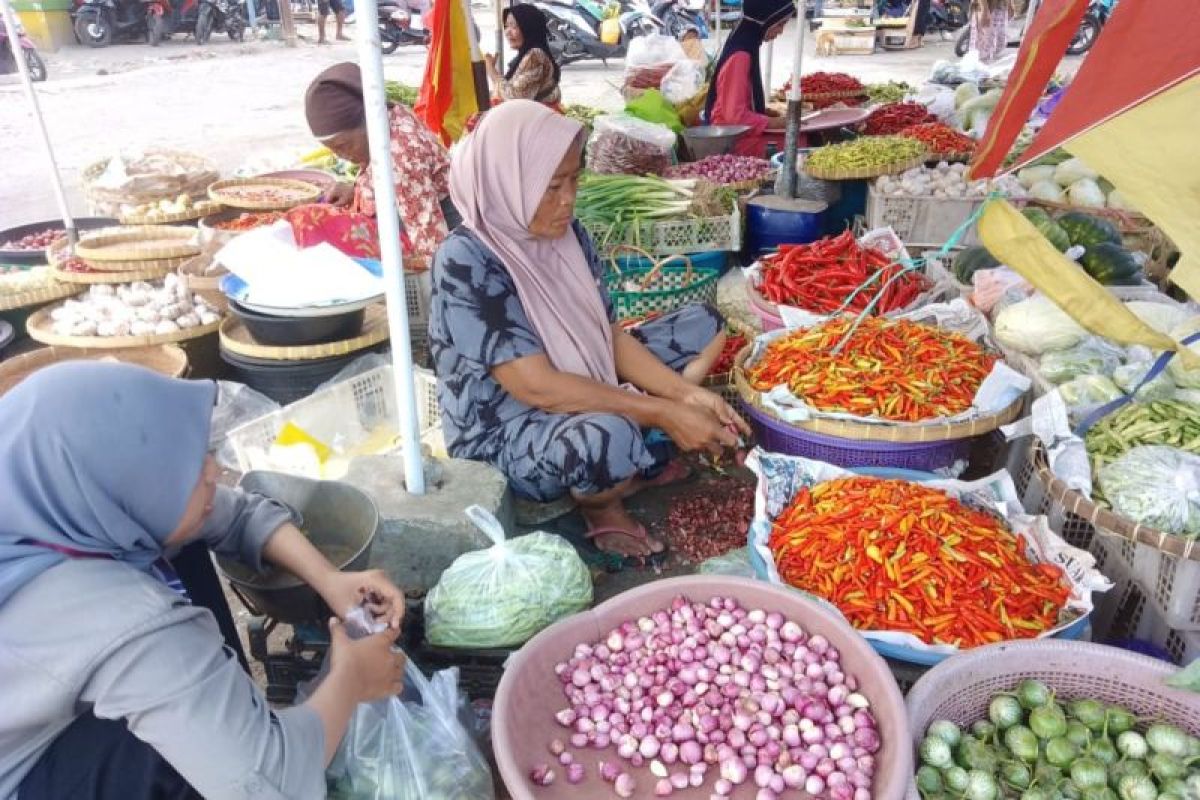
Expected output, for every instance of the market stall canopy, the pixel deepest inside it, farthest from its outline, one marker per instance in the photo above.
(449, 90)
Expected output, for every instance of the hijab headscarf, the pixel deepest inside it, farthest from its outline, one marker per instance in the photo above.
(498, 175)
(334, 100)
(534, 35)
(747, 37)
(98, 458)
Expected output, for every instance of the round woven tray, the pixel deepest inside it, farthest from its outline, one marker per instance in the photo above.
(138, 243)
(40, 328)
(237, 340)
(845, 94)
(225, 193)
(165, 359)
(37, 297)
(877, 432)
(201, 208)
(872, 172)
(1104, 518)
(117, 276)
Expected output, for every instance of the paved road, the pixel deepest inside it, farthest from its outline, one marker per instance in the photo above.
(233, 102)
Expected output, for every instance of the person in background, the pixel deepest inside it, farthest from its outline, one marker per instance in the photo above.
(339, 16)
(736, 95)
(532, 74)
(115, 680)
(536, 375)
(921, 21)
(420, 164)
(989, 28)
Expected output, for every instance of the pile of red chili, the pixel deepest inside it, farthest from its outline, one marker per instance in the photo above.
(895, 370)
(734, 343)
(897, 556)
(821, 275)
(940, 139)
(819, 83)
(892, 118)
(711, 522)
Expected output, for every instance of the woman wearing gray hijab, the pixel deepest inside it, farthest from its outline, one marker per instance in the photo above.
(113, 684)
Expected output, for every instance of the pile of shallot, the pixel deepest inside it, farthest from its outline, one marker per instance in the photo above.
(723, 169)
(745, 694)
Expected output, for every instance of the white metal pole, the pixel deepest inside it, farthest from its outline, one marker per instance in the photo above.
(499, 34)
(791, 181)
(770, 66)
(388, 218)
(717, 26)
(10, 23)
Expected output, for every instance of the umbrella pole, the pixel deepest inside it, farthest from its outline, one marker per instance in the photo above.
(388, 219)
(10, 23)
(478, 70)
(770, 66)
(792, 139)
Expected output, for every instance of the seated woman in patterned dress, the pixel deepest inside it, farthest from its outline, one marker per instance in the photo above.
(532, 73)
(535, 376)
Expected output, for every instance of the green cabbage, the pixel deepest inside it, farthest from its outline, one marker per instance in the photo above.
(1036, 325)
(1089, 390)
(1071, 170)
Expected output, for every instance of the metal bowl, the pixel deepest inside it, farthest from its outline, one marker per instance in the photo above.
(340, 520)
(711, 140)
(35, 257)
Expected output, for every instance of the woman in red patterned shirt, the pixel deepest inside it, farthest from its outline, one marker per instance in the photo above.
(420, 165)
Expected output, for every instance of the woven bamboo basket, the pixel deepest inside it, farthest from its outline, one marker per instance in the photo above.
(294, 193)
(36, 297)
(876, 432)
(198, 173)
(136, 244)
(166, 359)
(40, 328)
(660, 289)
(237, 340)
(819, 97)
(200, 208)
(105, 276)
(866, 172)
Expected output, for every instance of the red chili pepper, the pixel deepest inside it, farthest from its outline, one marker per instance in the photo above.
(941, 139)
(895, 117)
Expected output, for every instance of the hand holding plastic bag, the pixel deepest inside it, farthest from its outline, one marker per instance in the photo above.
(1156, 486)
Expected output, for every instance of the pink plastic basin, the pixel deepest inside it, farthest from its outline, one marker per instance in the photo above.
(523, 717)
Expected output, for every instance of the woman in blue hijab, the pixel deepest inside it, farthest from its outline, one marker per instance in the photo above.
(114, 684)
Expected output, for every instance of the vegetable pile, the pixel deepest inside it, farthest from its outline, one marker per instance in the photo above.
(34, 279)
(715, 692)
(734, 342)
(944, 180)
(712, 522)
(882, 153)
(1035, 747)
(898, 556)
(625, 145)
(819, 83)
(161, 209)
(38, 240)
(1059, 178)
(940, 139)
(821, 276)
(136, 309)
(400, 94)
(723, 169)
(249, 220)
(895, 370)
(585, 115)
(896, 117)
(890, 92)
(1165, 422)
(614, 203)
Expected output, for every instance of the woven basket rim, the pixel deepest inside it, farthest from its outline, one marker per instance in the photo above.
(850, 175)
(1105, 520)
(203, 208)
(106, 276)
(877, 432)
(375, 330)
(703, 276)
(216, 193)
(167, 359)
(106, 245)
(39, 328)
(48, 294)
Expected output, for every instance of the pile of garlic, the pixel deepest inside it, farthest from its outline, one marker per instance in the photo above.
(945, 180)
(133, 309)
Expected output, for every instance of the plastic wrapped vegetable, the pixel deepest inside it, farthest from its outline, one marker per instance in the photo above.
(1047, 192)
(1163, 317)
(1036, 325)
(1071, 170)
(1092, 356)
(1085, 193)
(1185, 378)
(1128, 376)
(1033, 175)
(1156, 486)
(502, 596)
(1089, 390)
(735, 562)
(396, 750)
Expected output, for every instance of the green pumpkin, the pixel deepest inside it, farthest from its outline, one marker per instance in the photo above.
(1049, 228)
(971, 260)
(1088, 230)
(1111, 265)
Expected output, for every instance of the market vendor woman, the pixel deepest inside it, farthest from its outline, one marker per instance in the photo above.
(532, 73)
(115, 681)
(420, 165)
(535, 376)
(736, 95)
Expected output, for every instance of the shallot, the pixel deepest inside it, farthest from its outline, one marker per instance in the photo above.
(700, 689)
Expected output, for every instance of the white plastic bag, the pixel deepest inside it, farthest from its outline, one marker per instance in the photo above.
(622, 144)
(682, 82)
(1156, 486)
(396, 750)
(502, 596)
(645, 51)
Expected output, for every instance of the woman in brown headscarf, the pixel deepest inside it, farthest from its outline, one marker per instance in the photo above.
(420, 165)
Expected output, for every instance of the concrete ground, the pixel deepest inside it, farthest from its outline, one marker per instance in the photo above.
(232, 102)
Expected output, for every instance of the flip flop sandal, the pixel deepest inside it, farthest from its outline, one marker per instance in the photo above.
(674, 472)
(629, 560)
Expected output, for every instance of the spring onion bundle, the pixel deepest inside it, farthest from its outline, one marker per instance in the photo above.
(616, 203)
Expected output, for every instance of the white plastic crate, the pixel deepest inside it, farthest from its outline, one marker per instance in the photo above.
(1173, 584)
(418, 291)
(672, 237)
(921, 219)
(344, 416)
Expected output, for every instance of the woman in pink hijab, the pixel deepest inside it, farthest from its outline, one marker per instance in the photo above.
(536, 377)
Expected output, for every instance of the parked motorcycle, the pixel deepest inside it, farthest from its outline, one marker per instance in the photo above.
(399, 24)
(8, 58)
(680, 16)
(167, 17)
(574, 30)
(97, 23)
(1090, 26)
(221, 16)
(946, 16)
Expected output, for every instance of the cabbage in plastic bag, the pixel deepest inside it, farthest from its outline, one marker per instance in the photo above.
(1128, 376)
(502, 596)
(1089, 390)
(1092, 356)
(1156, 486)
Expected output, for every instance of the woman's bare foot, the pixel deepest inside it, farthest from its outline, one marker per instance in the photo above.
(612, 528)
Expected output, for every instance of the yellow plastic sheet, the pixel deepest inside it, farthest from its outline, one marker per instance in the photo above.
(1017, 243)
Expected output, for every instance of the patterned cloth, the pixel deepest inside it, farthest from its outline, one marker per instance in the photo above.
(477, 323)
(989, 33)
(421, 167)
(533, 80)
(353, 233)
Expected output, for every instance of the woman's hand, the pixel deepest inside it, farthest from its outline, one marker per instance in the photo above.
(341, 194)
(702, 423)
(712, 401)
(368, 667)
(489, 63)
(344, 591)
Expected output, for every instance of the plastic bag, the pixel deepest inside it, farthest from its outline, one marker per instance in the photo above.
(645, 51)
(396, 750)
(1092, 356)
(652, 106)
(683, 82)
(502, 596)
(237, 405)
(1089, 390)
(735, 563)
(1156, 486)
(1128, 376)
(625, 145)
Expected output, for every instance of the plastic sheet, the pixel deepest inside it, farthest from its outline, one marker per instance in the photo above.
(682, 82)
(625, 145)
(735, 563)
(1129, 377)
(1088, 391)
(1092, 356)
(1156, 486)
(237, 404)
